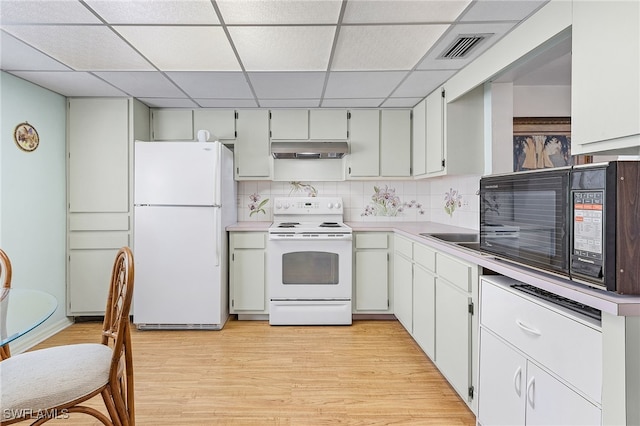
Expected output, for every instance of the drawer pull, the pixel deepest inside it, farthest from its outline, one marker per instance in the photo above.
(517, 381)
(531, 390)
(528, 329)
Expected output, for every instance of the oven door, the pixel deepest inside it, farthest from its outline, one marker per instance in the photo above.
(313, 269)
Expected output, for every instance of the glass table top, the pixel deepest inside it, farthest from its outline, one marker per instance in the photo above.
(22, 310)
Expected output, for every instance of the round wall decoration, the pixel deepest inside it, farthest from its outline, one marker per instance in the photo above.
(26, 137)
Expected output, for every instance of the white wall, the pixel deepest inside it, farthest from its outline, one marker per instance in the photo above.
(32, 195)
(542, 101)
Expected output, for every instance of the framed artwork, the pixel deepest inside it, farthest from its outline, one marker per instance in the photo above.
(543, 142)
(26, 137)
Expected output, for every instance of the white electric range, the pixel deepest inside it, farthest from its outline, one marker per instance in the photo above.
(309, 262)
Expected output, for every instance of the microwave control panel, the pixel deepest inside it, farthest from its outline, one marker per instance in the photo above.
(587, 257)
(588, 210)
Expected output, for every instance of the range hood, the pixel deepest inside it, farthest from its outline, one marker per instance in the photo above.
(309, 150)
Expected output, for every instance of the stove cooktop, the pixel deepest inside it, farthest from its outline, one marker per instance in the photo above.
(309, 226)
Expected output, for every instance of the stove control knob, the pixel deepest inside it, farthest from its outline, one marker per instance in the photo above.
(286, 205)
(338, 205)
(278, 205)
(330, 205)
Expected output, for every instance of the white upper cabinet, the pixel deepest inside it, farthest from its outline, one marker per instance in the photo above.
(395, 143)
(418, 127)
(252, 155)
(364, 143)
(434, 133)
(303, 124)
(605, 77)
(328, 124)
(455, 134)
(172, 124)
(98, 155)
(289, 124)
(219, 122)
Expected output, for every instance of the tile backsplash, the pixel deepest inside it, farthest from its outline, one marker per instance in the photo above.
(450, 200)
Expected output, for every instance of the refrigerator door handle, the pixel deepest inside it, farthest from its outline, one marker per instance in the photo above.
(217, 184)
(218, 232)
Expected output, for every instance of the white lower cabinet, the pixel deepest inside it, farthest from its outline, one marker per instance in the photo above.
(247, 273)
(453, 336)
(433, 298)
(424, 310)
(371, 272)
(515, 391)
(523, 376)
(403, 282)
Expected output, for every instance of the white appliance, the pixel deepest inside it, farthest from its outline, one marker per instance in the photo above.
(184, 197)
(309, 262)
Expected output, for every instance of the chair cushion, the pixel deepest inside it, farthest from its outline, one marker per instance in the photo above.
(38, 380)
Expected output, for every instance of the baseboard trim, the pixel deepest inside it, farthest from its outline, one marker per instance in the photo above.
(38, 335)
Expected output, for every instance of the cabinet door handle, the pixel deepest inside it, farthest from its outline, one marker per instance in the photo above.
(517, 381)
(528, 329)
(531, 390)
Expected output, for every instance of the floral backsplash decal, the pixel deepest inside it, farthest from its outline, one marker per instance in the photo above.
(297, 186)
(452, 199)
(256, 206)
(385, 202)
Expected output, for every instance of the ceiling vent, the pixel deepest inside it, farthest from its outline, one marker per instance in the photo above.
(461, 46)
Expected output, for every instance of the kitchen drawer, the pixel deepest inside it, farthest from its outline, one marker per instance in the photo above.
(566, 345)
(372, 241)
(424, 256)
(92, 240)
(455, 271)
(403, 246)
(255, 240)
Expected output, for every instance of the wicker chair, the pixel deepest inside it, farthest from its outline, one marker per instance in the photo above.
(5, 276)
(51, 383)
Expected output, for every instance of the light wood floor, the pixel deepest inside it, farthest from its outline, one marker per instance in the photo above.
(250, 373)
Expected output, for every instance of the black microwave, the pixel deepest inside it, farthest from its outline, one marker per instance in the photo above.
(580, 222)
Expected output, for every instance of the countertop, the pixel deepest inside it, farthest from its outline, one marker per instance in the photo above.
(249, 226)
(612, 303)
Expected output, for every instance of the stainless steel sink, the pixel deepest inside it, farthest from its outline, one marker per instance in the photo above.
(472, 246)
(455, 237)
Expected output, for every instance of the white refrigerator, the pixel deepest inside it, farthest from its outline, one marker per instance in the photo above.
(184, 197)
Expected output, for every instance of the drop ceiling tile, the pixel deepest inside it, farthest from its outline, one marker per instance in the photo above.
(295, 48)
(421, 83)
(168, 103)
(261, 12)
(362, 84)
(279, 85)
(289, 103)
(226, 103)
(401, 102)
(142, 84)
(188, 12)
(384, 47)
(45, 12)
(179, 48)
(70, 83)
(15, 55)
(218, 85)
(403, 11)
(352, 103)
(501, 10)
(81, 47)
(496, 31)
